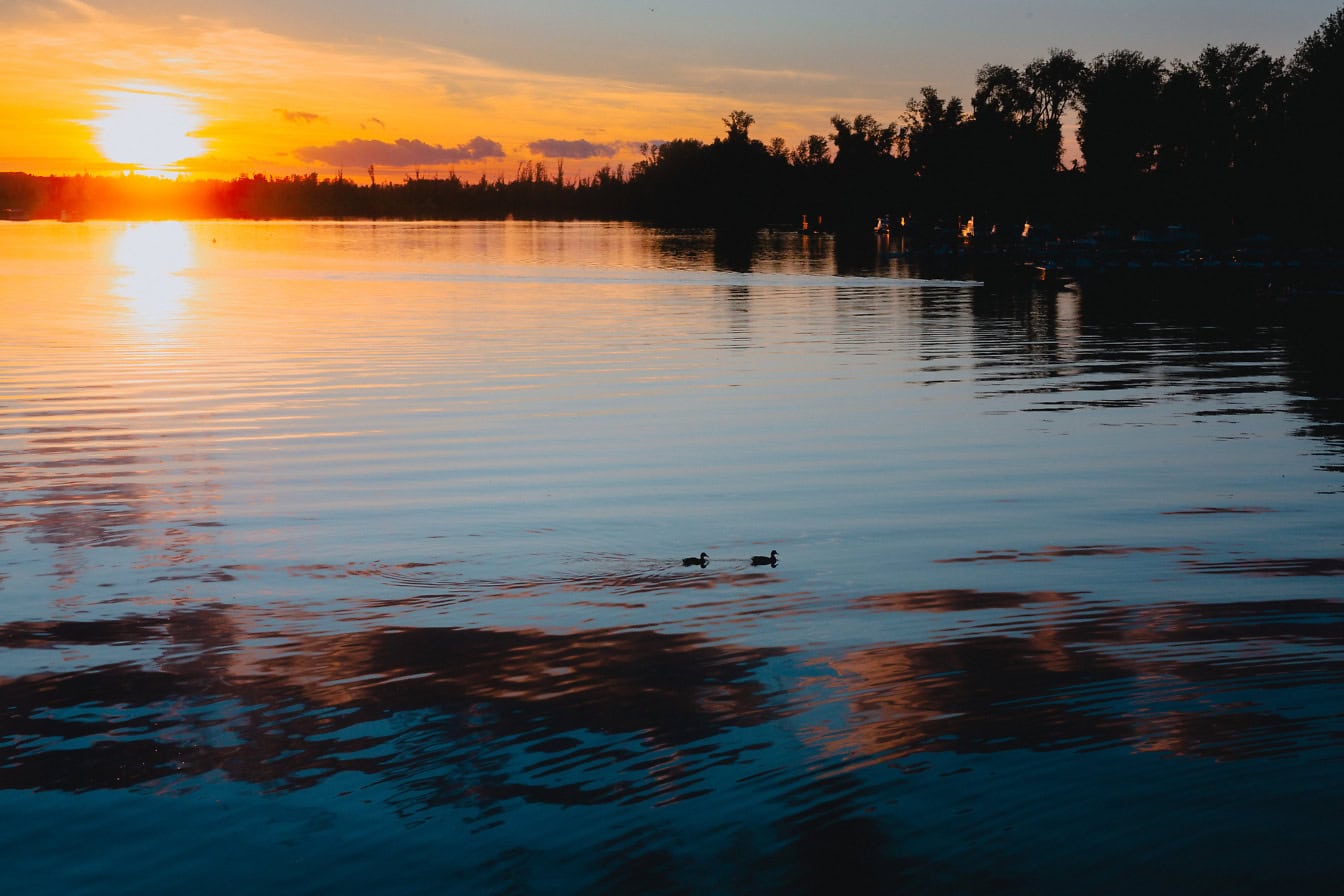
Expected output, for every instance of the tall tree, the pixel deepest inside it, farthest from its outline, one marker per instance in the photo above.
(862, 140)
(1118, 111)
(812, 152)
(1054, 82)
(930, 128)
(1013, 154)
(932, 138)
(1316, 73)
(1220, 138)
(1001, 93)
(738, 124)
(864, 173)
(1245, 93)
(1317, 67)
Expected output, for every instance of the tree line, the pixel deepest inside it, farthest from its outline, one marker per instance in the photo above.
(1232, 143)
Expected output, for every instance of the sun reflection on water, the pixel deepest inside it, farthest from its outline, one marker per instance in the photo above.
(153, 256)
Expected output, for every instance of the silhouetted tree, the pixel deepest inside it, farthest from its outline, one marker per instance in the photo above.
(1180, 125)
(1316, 75)
(812, 152)
(930, 129)
(1001, 94)
(1053, 83)
(1317, 67)
(738, 123)
(1013, 153)
(746, 180)
(671, 182)
(1220, 135)
(735, 182)
(863, 177)
(862, 141)
(935, 146)
(811, 179)
(1118, 113)
(1119, 104)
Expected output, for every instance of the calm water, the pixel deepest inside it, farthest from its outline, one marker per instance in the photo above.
(346, 558)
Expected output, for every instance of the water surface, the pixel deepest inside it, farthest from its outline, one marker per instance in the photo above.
(346, 557)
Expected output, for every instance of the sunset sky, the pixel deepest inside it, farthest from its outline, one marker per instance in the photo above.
(218, 90)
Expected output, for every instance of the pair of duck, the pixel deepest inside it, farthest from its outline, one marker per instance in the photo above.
(758, 560)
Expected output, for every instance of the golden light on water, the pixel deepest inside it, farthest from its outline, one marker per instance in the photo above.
(153, 256)
(148, 128)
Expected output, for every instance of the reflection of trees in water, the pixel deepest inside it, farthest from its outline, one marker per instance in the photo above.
(69, 497)
(77, 488)
(472, 717)
(625, 719)
(733, 250)
(1184, 678)
(1207, 345)
(1315, 374)
(456, 716)
(1221, 349)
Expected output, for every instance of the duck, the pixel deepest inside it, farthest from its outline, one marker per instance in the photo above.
(702, 560)
(758, 560)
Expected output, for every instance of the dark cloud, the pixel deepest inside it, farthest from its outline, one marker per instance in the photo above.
(401, 154)
(371, 120)
(299, 117)
(571, 149)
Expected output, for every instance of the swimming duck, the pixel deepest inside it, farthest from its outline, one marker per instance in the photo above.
(758, 560)
(702, 560)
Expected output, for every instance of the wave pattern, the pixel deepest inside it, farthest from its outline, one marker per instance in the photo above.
(337, 542)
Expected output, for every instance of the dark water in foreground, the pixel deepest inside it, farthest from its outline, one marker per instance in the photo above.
(345, 558)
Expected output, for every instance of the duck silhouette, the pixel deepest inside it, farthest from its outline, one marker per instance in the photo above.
(758, 560)
(702, 560)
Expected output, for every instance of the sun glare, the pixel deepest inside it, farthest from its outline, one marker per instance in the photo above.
(148, 129)
(153, 257)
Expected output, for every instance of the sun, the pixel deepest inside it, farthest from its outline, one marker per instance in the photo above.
(147, 128)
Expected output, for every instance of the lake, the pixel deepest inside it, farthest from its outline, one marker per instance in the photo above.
(347, 557)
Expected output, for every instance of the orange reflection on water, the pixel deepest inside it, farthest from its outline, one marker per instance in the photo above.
(1189, 679)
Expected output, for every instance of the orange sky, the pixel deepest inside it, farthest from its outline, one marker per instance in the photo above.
(185, 86)
(79, 79)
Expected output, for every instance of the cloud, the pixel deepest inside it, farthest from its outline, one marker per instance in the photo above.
(299, 117)
(364, 125)
(401, 154)
(572, 149)
(762, 75)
